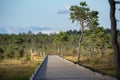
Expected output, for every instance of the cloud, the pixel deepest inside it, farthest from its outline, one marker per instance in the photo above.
(7, 29)
(67, 7)
(50, 31)
(38, 28)
(63, 11)
(2, 30)
(21, 29)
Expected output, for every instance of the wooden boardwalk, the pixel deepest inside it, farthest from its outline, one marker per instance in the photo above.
(55, 68)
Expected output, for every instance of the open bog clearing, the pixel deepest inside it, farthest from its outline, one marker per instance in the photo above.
(16, 70)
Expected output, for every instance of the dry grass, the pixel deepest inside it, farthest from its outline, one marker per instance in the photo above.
(103, 64)
(17, 70)
(71, 58)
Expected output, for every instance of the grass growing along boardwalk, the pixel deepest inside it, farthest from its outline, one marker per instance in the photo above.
(103, 64)
(15, 70)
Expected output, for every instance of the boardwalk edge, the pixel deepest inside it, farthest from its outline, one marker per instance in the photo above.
(36, 70)
(105, 77)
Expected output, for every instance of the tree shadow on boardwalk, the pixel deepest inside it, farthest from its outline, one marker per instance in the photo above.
(41, 74)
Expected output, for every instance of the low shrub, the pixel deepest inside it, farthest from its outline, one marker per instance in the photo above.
(27, 57)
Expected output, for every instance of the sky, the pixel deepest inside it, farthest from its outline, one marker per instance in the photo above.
(47, 16)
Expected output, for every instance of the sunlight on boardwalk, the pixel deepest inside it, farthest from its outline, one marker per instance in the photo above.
(55, 68)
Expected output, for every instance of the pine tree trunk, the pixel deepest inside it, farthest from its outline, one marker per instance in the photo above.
(92, 48)
(79, 51)
(58, 50)
(80, 40)
(114, 36)
(100, 51)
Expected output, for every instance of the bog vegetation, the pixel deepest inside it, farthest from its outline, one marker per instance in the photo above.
(96, 49)
(65, 43)
(92, 42)
(13, 69)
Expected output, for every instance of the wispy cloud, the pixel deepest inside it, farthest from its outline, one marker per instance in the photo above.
(63, 11)
(67, 7)
(2, 30)
(21, 29)
(50, 31)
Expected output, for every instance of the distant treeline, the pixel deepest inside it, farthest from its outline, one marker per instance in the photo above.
(19, 45)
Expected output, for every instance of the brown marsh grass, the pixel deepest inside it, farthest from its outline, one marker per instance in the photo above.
(16, 70)
(103, 64)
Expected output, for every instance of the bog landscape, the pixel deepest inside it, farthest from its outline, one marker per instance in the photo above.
(89, 52)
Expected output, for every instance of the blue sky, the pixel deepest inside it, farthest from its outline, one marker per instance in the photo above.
(47, 16)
